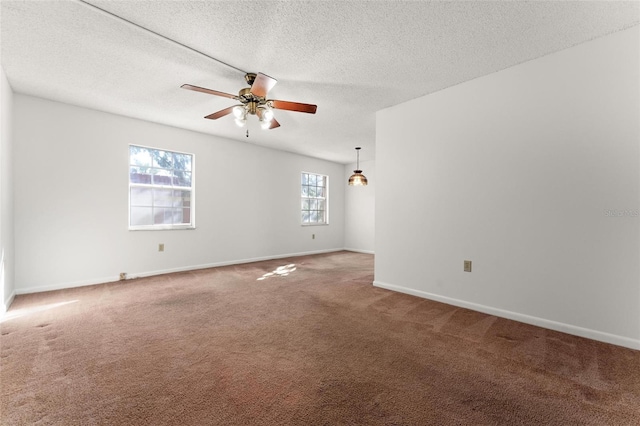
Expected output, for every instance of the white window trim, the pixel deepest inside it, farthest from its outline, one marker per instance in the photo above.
(326, 201)
(161, 227)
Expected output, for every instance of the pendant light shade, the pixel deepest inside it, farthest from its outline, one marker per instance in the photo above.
(357, 178)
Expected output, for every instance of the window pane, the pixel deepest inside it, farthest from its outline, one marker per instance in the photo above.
(176, 215)
(162, 159)
(305, 191)
(182, 162)
(312, 191)
(139, 175)
(141, 216)
(181, 178)
(141, 196)
(181, 198)
(161, 216)
(321, 204)
(313, 204)
(305, 216)
(186, 198)
(321, 181)
(313, 217)
(186, 215)
(139, 156)
(320, 192)
(305, 204)
(163, 197)
(305, 179)
(312, 180)
(161, 177)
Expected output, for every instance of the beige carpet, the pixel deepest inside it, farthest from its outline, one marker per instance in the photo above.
(311, 343)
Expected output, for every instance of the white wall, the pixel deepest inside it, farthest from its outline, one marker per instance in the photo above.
(517, 171)
(71, 199)
(6, 195)
(359, 210)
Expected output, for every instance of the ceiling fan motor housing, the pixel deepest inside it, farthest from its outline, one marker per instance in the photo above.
(250, 100)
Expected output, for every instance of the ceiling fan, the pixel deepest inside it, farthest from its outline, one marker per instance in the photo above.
(253, 100)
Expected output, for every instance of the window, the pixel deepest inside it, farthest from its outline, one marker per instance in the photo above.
(160, 189)
(314, 199)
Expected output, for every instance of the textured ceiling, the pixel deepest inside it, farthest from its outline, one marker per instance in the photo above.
(351, 58)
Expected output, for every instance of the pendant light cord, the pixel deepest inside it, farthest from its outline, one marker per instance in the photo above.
(159, 35)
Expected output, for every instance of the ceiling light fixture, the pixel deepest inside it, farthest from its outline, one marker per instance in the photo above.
(240, 114)
(264, 125)
(263, 111)
(357, 178)
(239, 111)
(265, 115)
(254, 102)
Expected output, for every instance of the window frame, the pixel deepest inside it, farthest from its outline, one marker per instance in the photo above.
(162, 227)
(325, 199)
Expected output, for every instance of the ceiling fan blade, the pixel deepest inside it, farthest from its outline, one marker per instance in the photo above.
(262, 84)
(220, 113)
(274, 124)
(294, 106)
(209, 91)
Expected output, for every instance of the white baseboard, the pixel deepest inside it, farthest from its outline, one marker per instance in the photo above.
(62, 286)
(527, 319)
(109, 279)
(360, 251)
(227, 263)
(6, 304)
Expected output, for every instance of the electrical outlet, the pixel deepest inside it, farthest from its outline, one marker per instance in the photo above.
(313, 236)
(123, 275)
(161, 247)
(467, 266)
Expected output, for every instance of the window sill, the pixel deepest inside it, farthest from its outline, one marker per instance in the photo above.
(159, 228)
(314, 224)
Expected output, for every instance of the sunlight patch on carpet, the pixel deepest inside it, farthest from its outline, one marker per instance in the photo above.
(10, 315)
(280, 271)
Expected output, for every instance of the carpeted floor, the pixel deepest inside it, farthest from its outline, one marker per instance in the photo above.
(299, 341)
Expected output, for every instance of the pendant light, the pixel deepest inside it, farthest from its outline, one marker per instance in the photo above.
(357, 178)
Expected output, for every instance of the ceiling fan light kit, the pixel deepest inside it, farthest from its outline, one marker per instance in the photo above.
(239, 112)
(357, 178)
(253, 101)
